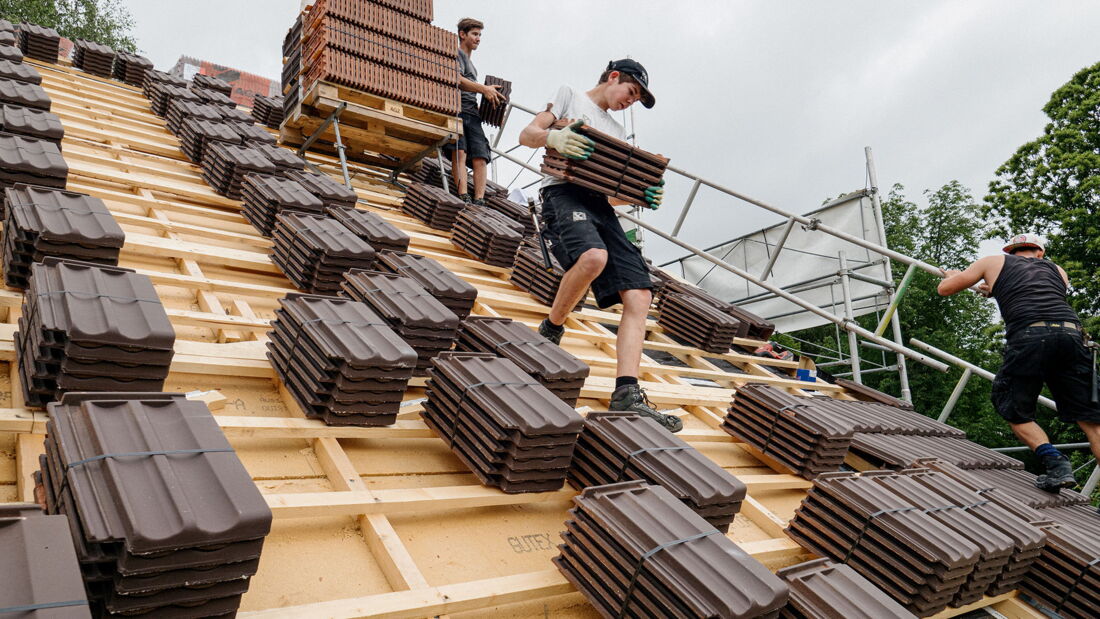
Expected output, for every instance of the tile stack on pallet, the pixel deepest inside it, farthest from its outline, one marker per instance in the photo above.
(417, 316)
(265, 197)
(224, 167)
(615, 168)
(268, 111)
(372, 228)
(165, 518)
(433, 206)
(292, 67)
(616, 447)
(31, 123)
(94, 58)
(39, 565)
(822, 589)
(549, 364)
(315, 252)
(487, 236)
(455, 293)
(39, 43)
(493, 115)
(529, 273)
(24, 94)
(511, 431)
(322, 186)
(88, 327)
(753, 326)
(635, 550)
(388, 52)
(43, 222)
(698, 324)
(341, 362)
(131, 68)
(196, 135)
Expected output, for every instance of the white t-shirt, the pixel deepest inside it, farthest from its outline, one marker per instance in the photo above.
(576, 105)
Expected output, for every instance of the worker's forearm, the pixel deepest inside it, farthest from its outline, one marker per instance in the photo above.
(533, 137)
(468, 85)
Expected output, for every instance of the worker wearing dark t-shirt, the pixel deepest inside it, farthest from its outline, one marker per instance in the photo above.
(473, 147)
(1044, 344)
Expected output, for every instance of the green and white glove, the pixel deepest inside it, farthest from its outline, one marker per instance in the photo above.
(654, 195)
(570, 143)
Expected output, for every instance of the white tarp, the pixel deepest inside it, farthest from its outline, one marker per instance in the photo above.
(807, 266)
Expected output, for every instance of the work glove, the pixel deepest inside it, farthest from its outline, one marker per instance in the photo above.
(570, 143)
(654, 195)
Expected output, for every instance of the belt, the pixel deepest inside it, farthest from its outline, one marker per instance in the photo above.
(1058, 325)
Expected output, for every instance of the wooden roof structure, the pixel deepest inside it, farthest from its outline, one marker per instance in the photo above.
(369, 522)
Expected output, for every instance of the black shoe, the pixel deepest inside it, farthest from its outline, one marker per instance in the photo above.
(1059, 475)
(465, 198)
(478, 202)
(632, 398)
(551, 331)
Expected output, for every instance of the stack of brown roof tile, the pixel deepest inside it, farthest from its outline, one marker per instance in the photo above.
(1066, 577)
(822, 589)
(268, 111)
(131, 68)
(20, 72)
(529, 273)
(94, 58)
(429, 173)
(213, 97)
(254, 135)
(903, 451)
(196, 135)
(615, 169)
(238, 117)
(635, 550)
(907, 551)
(180, 110)
(267, 196)
(510, 430)
(162, 95)
(285, 160)
(154, 76)
(10, 53)
(322, 186)
(417, 316)
(340, 360)
(35, 162)
(554, 368)
(452, 291)
(224, 167)
(43, 222)
(31, 123)
(39, 42)
(210, 82)
(516, 212)
(698, 324)
(371, 227)
(24, 94)
(315, 251)
(89, 327)
(165, 518)
(867, 394)
(617, 447)
(1005, 487)
(493, 115)
(431, 205)
(487, 235)
(41, 573)
(753, 326)
(292, 66)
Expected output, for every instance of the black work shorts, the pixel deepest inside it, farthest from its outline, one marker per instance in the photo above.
(1054, 356)
(579, 219)
(472, 140)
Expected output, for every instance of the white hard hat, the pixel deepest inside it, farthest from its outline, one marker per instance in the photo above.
(1021, 241)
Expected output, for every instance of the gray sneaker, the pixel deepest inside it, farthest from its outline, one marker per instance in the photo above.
(478, 201)
(1059, 475)
(632, 398)
(547, 330)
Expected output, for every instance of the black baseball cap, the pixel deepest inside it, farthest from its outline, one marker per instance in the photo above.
(634, 69)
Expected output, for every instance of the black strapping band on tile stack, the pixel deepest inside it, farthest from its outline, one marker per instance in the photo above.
(268, 111)
(265, 197)
(493, 115)
(617, 447)
(131, 68)
(487, 235)
(529, 273)
(315, 251)
(455, 293)
(41, 572)
(372, 228)
(39, 42)
(433, 206)
(164, 517)
(615, 169)
(822, 589)
(341, 362)
(94, 58)
(511, 431)
(636, 550)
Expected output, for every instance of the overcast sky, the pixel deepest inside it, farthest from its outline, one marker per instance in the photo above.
(775, 99)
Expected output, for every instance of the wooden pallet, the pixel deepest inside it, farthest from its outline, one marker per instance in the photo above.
(369, 522)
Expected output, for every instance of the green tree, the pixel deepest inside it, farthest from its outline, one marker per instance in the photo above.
(104, 21)
(1051, 185)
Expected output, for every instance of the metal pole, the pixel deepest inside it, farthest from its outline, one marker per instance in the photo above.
(340, 148)
(955, 395)
(1090, 483)
(1059, 446)
(885, 368)
(684, 211)
(853, 342)
(896, 300)
(980, 371)
(442, 170)
(778, 248)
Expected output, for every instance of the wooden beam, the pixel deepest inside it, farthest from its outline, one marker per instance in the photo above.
(402, 501)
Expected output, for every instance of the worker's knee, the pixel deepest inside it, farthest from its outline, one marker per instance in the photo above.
(478, 164)
(592, 262)
(636, 301)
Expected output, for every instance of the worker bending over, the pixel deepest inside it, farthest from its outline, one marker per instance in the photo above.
(586, 235)
(473, 146)
(1044, 344)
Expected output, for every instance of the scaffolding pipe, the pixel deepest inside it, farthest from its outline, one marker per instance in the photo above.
(1022, 448)
(956, 393)
(684, 211)
(980, 371)
(778, 248)
(853, 341)
(903, 287)
(1092, 481)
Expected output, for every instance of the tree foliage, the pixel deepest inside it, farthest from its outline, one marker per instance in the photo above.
(104, 21)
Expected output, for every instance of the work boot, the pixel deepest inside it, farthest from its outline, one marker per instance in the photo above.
(632, 398)
(465, 198)
(551, 331)
(1059, 475)
(478, 202)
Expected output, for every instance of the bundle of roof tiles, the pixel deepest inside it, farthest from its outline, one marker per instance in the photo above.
(752, 326)
(213, 97)
(94, 58)
(487, 235)
(370, 46)
(455, 293)
(161, 95)
(224, 167)
(285, 160)
(516, 212)
(9, 41)
(417, 316)
(165, 518)
(39, 42)
(20, 72)
(617, 447)
(10, 53)
(431, 173)
(636, 550)
(1005, 487)
(1066, 578)
(529, 273)
(698, 324)
(89, 327)
(290, 78)
(435, 207)
(268, 111)
(329, 191)
(154, 76)
(823, 589)
(549, 364)
(131, 68)
(511, 431)
(493, 115)
(31, 123)
(41, 573)
(341, 362)
(901, 451)
(265, 197)
(179, 110)
(615, 168)
(42, 222)
(868, 394)
(197, 134)
(372, 228)
(24, 94)
(210, 82)
(253, 134)
(314, 251)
